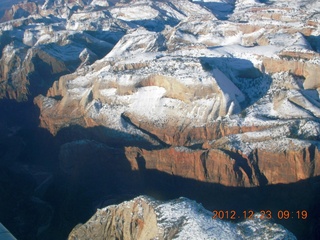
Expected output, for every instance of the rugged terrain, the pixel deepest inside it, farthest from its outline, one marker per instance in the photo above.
(235, 96)
(158, 97)
(145, 218)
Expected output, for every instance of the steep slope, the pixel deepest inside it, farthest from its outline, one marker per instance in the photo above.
(239, 85)
(37, 48)
(145, 218)
(176, 75)
(143, 96)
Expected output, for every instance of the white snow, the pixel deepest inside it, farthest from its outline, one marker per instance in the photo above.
(134, 12)
(101, 3)
(191, 33)
(193, 221)
(146, 101)
(183, 219)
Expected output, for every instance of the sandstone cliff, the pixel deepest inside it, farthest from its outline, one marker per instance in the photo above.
(234, 96)
(231, 167)
(215, 94)
(239, 93)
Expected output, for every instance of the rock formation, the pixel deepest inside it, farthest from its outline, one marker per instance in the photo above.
(243, 86)
(212, 92)
(20, 10)
(231, 167)
(145, 218)
(179, 75)
(33, 57)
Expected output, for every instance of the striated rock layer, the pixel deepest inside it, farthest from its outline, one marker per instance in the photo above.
(231, 168)
(144, 96)
(231, 97)
(234, 84)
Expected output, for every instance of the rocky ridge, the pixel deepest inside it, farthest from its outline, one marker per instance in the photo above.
(157, 97)
(237, 76)
(145, 218)
(244, 84)
(37, 47)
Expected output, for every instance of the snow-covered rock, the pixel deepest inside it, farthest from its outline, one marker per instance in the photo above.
(176, 73)
(146, 218)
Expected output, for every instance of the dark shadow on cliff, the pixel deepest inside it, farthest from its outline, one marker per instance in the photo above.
(36, 67)
(267, 2)
(221, 10)
(51, 183)
(27, 162)
(48, 184)
(108, 136)
(107, 36)
(314, 41)
(51, 61)
(303, 195)
(251, 81)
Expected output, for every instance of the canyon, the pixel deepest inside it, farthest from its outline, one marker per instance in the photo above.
(114, 99)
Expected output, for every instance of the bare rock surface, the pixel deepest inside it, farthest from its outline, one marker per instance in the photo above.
(241, 80)
(231, 167)
(145, 218)
(142, 95)
(235, 81)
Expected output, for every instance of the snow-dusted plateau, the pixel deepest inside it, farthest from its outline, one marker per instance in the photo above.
(104, 100)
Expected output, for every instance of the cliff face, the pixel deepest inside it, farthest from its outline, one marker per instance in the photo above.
(300, 68)
(222, 85)
(26, 72)
(212, 166)
(145, 218)
(239, 92)
(37, 48)
(230, 167)
(132, 220)
(20, 10)
(207, 93)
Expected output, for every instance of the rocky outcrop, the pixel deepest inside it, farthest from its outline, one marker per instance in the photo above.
(218, 95)
(169, 86)
(303, 69)
(27, 72)
(231, 167)
(33, 57)
(143, 95)
(20, 10)
(132, 220)
(212, 166)
(145, 218)
(290, 165)
(185, 134)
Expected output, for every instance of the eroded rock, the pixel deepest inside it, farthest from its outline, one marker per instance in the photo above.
(145, 218)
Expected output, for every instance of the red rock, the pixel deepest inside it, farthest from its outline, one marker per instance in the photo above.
(230, 168)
